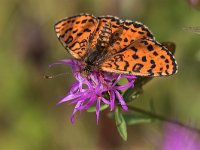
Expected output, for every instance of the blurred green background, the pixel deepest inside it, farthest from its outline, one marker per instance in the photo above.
(29, 117)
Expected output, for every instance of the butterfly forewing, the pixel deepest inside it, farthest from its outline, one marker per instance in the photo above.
(74, 33)
(144, 57)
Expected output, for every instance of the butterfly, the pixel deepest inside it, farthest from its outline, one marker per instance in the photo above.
(114, 45)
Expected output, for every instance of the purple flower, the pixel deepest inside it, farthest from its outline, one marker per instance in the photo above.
(194, 3)
(90, 89)
(180, 138)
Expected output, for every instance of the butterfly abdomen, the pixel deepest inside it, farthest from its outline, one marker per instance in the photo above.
(102, 45)
(104, 36)
(92, 58)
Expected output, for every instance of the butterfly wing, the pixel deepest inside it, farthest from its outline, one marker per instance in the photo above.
(123, 33)
(144, 57)
(75, 32)
(132, 31)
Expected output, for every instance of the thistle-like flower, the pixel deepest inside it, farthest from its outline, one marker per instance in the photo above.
(180, 138)
(95, 88)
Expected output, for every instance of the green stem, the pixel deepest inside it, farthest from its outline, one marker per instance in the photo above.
(162, 118)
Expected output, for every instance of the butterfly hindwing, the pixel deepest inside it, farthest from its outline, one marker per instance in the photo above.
(131, 31)
(144, 57)
(74, 33)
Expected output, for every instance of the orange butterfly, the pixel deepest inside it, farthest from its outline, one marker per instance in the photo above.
(113, 45)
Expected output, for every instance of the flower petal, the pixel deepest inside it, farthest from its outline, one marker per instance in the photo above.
(97, 109)
(126, 86)
(70, 97)
(81, 98)
(121, 100)
(112, 101)
(117, 80)
(88, 104)
(75, 110)
(105, 101)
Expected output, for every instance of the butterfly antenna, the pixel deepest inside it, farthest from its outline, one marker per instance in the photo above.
(54, 76)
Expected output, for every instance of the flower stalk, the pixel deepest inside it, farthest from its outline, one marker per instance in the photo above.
(162, 118)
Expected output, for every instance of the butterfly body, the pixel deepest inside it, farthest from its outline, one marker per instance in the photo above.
(113, 45)
(97, 55)
(92, 61)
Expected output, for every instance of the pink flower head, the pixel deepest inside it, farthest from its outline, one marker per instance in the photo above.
(180, 138)
(89, 90)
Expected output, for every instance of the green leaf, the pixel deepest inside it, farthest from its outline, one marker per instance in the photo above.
(93, 108)
(121, 124)
(132, 119)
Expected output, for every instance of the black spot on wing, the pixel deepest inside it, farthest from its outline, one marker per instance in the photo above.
(144, 59)
(150, 35)
(167, 73)
(126, 65)
(84, 21)
(134, 48)
(128, 23)
(132, 30)
(159, 73)
(162, 56)
(62, 36)
(125, 28)
(153, 64)
(137, 67)
(136, 25)
(140, 32)
(150, 47)
(166, 60)
(87, 30)
(91, 20)
(150, 72)
(125, 40)
(135, 56)
(116, 65)
(69, 39)
(75, 31)
(114, 26)
(145, 42)
(155, 53)
(79, 34)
